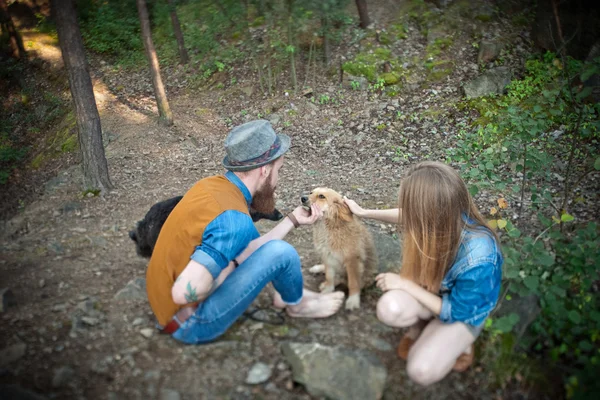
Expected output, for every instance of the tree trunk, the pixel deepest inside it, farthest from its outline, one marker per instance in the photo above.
(363, 13)
(95, 168)
(164, 111)
(183, 55)
(292, 48)
(326, 43)
(16, 43)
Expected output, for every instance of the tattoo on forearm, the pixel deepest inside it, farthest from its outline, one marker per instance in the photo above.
(190, 293)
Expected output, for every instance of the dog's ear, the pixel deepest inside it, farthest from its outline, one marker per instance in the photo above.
(343, 210)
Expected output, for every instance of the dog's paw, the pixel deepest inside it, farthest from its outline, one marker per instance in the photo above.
(324, 287)
(353, 302)
(317, 269)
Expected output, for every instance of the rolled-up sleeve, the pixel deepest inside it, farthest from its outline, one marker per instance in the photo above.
(473, 296)
(223, 239)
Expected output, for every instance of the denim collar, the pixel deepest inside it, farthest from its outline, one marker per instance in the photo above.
(233, 178)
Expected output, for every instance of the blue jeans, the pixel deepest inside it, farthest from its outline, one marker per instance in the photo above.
(276, 261)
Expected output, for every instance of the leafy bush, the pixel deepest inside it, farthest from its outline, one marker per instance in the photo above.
(535, 147)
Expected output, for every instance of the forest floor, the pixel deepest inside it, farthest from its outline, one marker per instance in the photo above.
(79, 326)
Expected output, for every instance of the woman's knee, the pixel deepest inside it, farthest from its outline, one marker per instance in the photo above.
(423, 370)
(394, 308)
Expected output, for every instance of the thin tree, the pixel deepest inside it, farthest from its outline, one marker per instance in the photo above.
(361, 5)
(183, 55)
(95, 167)
(164, 111)
(16, 43)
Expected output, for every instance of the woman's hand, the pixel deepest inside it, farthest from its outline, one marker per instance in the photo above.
(306, 217)
(354, 207)
(391, 281)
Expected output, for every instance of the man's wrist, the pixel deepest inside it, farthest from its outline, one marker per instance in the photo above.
(294, 220)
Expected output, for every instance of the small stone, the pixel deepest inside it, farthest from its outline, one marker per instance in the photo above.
(380, 344)
(169, 394)
(134, 290)
(147, 332)
(62, 376)
(60, 307)
(137, 321)
(90, 321)
(7, 299)
(42, 283)
(259, 373)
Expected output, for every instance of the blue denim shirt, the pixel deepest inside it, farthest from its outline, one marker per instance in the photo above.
(227, 235)
(471, 287)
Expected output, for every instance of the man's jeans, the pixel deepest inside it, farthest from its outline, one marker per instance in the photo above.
(275, 261)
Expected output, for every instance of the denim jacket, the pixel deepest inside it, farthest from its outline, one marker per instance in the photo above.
(471, 287)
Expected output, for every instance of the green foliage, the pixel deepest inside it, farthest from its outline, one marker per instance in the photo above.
(534, 147)
(112, 28)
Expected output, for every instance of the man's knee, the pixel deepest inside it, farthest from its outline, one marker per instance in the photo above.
(423, 371)
(280, 250)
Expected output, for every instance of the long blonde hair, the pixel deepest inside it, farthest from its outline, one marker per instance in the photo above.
(433, 199)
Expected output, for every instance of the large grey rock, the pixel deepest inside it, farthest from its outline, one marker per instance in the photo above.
(493, 81)
(335, 372)
(388, 252)
(134, 290)
(362, 83)
(489, 51)
(527, 308)
(7, 299)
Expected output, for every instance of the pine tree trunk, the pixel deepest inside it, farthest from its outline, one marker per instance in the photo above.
(16, 43)
(95, 167)
(291, 43)
(183, 55)
(363, 13)
(164, 111)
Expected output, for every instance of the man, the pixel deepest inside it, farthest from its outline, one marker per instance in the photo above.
(210, 263)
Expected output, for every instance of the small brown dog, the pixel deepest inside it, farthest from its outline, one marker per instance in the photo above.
(344, 243)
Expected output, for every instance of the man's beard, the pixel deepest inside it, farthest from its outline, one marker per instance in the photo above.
(264, 198)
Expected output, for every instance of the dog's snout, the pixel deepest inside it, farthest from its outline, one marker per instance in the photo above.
(304, 199)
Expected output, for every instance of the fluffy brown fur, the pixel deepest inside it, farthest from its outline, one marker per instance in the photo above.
(345, 245)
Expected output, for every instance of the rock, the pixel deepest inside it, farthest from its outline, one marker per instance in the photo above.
(91, 321)
(259, 373)
(70, 206)
(274, 119)
(335, 372)
(147, 332)
(16, 226)
(380, 344)
(388, 252)
(134, 290)
(12, 353)
(527, 308)
(488, 51)
(62, 376)
(169, 394)
(7, 299)
(493, 81)
(361, 83)
(15, 392)
(137, 321)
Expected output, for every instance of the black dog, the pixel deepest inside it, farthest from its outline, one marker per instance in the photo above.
(146, 232)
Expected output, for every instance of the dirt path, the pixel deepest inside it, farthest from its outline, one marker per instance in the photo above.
(79, 321)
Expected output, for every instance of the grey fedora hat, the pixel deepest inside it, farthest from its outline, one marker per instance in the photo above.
(252, 145)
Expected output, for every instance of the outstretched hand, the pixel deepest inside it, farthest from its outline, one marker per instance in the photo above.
(354, 207)
(306, 217)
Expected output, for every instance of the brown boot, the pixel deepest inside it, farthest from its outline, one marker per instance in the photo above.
(404, 346)
(464, 361)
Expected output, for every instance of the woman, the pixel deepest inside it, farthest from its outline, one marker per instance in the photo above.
(450, 276)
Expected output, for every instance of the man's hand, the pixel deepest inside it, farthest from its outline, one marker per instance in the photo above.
(306, 217)
(390, 281)
(354, 207)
